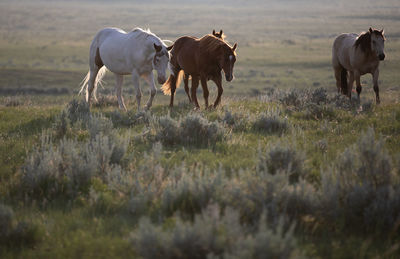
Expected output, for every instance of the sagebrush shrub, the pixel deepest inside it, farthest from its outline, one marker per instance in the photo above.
(190, 191)
(271, 122)
(197, 130)
(191, 130)
(52, 171)
(212, 234)
(78, 111)
(282, 158)
(361, 189)
(238, 122)
(168, 131)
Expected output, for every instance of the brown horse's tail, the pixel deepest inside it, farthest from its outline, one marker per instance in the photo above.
(344, 81)
(172, 82)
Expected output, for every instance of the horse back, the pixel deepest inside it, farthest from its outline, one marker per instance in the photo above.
(184, 54)
(342, 50)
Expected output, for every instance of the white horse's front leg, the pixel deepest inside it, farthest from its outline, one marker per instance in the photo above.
(135, 79)
(153, 90)
(118, 87)
(375, 77)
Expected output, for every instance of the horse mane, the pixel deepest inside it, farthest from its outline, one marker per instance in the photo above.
(364, 40)
(147, 34)
(210, 43)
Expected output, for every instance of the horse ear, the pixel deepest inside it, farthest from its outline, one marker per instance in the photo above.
(382, 31)
(170, 47)
(157, 48)
(234, 47)
(213, 33)
(370, 29)
(220, 32)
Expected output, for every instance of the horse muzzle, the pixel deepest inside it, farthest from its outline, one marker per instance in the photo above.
(381, 56)
(229, 77)
(161, 80)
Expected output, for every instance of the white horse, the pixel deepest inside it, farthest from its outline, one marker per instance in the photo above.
(358, 55)
(137, 53)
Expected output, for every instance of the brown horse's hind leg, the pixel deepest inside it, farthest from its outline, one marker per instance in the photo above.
(218, 81)
(173, 88)
(186, 83)
(195, 84)
(205, 90)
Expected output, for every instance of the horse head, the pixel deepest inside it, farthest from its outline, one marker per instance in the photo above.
(227, 60)
(160, 62)
(378, 43)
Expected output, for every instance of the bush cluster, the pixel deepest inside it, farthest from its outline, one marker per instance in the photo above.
(271, 122)
(191, 130)
(213, 234)
(67, 169)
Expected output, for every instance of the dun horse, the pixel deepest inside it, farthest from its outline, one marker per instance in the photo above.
(202, 59)
(137, 53)
(356, 55)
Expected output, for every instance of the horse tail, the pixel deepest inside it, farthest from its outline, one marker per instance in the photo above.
(344, 80)
(98, 81)
(173, 80)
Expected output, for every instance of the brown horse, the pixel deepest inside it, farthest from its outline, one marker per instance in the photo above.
(203, 59)
(186, 77)
(356, 55)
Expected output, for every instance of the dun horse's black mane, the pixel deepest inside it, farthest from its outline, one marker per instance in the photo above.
(364, 40)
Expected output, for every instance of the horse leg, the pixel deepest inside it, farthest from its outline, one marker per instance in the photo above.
(153, 90)
(186, 83)
(350, 83)
(338, 71)
(218, 81)
(173, 89)
(205, 90)
(135, 79)
(375, 77)
(195, 84)
(357, 76)
(118, 89)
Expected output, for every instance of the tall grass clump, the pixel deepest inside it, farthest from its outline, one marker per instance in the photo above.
(212, 234)
(271, 122)
(361, 190)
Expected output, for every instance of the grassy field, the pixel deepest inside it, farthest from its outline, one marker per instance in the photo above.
(283, 168)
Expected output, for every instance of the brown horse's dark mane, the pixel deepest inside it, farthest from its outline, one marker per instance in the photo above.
(210, 43)
(364, 40)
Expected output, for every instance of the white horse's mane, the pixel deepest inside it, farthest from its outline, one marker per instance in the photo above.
(147, 34)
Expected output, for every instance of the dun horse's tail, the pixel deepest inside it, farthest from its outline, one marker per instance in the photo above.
(98, 81)
(172, 79)
(344, 81)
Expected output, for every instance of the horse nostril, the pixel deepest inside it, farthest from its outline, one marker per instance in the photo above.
(382, 56)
